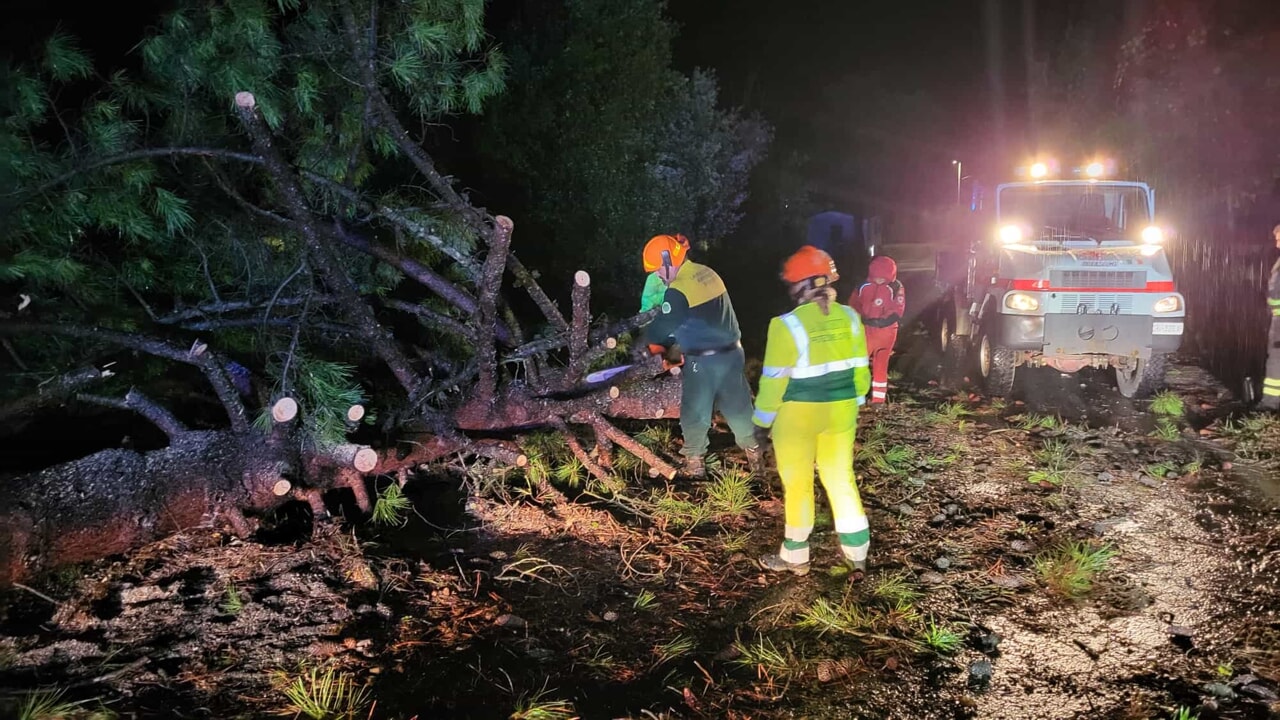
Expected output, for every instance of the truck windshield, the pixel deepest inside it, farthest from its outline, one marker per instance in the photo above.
(1096, 211)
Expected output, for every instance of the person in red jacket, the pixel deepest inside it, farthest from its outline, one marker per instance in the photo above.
(880, 301)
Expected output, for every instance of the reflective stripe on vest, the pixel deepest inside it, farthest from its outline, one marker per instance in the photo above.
(803, 370)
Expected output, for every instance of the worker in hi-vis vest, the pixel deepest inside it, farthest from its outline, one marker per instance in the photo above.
(815, 376)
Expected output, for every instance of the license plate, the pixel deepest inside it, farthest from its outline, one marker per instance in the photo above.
(1166, 328)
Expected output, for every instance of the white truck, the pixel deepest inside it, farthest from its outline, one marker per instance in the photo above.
(1067, 273)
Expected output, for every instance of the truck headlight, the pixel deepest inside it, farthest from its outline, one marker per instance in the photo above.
(1021, 302)
(1173, 303)
(1010, 234)
(1152, 235)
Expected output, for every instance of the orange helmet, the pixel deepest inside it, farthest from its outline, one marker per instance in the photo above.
(809, 262)
(883, 266)
(669, 245)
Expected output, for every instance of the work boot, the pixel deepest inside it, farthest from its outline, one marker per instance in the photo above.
(775, 563)
(857, 569)
(755, 460)
(695, 467)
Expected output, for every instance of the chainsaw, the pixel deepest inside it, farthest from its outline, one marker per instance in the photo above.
(671, 358)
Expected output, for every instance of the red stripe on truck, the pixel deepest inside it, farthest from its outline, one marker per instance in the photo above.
(1043, 286)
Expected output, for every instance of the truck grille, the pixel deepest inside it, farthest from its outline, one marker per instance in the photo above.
(1097, 279)
(1091, 302)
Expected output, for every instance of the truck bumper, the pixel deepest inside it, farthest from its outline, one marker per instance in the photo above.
(1090, 334)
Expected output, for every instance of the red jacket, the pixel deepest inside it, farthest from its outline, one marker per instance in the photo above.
(880, 305)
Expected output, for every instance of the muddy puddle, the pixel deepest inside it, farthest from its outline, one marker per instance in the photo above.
(1059, 558)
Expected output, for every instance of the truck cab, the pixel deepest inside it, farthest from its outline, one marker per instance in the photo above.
(1065, 273)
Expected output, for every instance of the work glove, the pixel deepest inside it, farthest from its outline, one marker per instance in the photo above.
(761, 436)
(672, 356)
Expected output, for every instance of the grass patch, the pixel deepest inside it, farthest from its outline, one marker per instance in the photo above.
(895, 588)
(730, 493)
(999, 405)
(1055, 454)
(1257, 437)
(1184, 713)
(325, 694)
(1160, 469)
(645, 600)
(675, 648)
(1166, 429)
(657, 438)
(46, 705)
(824, 616)
(570, 471)
(942, 639)
(949, 413)
(1166, 402)
(734, 542)
(761, 654)
(677, 511)
(232, 603)
(1055, 458)
(897, 460)
(1069, 570)
(539, 707)
(876, 439)
(391, 507)
(1034, 421)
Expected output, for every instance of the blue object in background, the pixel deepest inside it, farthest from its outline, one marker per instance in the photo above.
(240, 377)
(832, 232)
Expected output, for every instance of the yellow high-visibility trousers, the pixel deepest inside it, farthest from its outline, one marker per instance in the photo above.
(821, 432)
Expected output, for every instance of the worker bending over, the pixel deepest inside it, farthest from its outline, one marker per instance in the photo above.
(815, 377)
(696, 322)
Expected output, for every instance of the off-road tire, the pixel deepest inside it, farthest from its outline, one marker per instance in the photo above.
(1146, 379)
(996, 366)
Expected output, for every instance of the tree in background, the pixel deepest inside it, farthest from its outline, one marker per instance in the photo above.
(606, 145)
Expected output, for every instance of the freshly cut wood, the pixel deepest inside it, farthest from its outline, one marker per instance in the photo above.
(582, 278)
(611, 343)
(284, 410)
(355, 413)
(282, 488)
(614, 391)
(366, 459)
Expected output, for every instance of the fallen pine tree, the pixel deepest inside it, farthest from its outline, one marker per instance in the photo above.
(330, 263)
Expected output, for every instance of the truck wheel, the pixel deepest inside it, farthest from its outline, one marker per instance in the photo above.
(1144, 379)
(996, 365)
(954, 348)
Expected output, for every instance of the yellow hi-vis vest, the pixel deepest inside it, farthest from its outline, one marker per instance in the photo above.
(812, 357)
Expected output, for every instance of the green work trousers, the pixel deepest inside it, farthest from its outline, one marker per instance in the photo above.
(710, 383)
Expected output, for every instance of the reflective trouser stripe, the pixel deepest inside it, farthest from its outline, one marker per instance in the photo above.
(1271, 386)
(795, 545)
(855, 537)
(822, 433)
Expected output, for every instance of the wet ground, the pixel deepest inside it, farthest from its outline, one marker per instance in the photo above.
(1075, 556)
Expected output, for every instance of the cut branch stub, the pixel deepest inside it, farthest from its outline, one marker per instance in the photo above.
(284, 410)
(245, 100)
(365, 460)
(282, 488)
(611, 343)
(355, 413)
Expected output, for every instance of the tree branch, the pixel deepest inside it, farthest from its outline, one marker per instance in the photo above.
(322, 257)
(52, 391)
(536, 347)
(431, 317)
(491, 281)
(420, 273)
(198, 356)
(144, 406)
(22, 195)
(578, 330)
